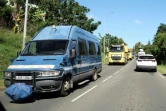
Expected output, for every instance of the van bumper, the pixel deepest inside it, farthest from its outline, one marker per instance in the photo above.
(48, 85)
(39, 85)
(121, 61)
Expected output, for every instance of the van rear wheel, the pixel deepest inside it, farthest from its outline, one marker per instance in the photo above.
(95, 75)
(65, 89)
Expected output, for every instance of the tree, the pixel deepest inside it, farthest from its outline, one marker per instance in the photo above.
(137, 46)
(5, 13)
(149, 43)
(109, 40)
(158, 47)
(68, 12)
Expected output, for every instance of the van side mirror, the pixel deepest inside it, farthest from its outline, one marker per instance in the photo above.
(26, 43)
(11, 60)
(72, 54)
(18, 53)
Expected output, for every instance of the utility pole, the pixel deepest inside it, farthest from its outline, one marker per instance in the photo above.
(105, 34)
(25, 24)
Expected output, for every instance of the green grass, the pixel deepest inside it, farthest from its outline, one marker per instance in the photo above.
(10, 44)
(162, 69)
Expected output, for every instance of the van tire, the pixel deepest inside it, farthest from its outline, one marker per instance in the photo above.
(94, 76)
(65, 89)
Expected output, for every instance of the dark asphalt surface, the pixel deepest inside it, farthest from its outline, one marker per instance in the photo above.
(119, 88)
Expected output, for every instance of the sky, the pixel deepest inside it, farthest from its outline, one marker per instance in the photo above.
(133, 20)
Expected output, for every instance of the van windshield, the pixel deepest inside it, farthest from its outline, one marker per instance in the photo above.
(46, 47)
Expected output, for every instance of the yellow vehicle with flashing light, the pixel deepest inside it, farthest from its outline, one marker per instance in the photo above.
(117, 54)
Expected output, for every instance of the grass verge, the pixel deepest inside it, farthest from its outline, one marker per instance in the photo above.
(10, 44)
(162, 69)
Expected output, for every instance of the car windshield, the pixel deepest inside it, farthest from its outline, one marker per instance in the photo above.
(146, 57)
(46, 47)
(116, 49)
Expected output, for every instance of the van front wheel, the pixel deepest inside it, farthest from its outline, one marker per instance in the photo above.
(95, 76)
(65, 89)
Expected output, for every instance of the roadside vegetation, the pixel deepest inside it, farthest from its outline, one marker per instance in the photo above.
(10, 44)
(157, 47)
(162, 69)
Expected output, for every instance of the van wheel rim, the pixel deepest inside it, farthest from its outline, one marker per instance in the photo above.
(66, 85)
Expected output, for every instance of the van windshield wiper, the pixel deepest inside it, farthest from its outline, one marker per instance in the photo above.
(47, 53)
(28, 54)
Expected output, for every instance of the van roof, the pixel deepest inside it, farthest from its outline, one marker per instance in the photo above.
(63, 32)
(49, 32)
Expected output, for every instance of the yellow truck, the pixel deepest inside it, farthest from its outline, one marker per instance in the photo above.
(117, 54)
(130, 55)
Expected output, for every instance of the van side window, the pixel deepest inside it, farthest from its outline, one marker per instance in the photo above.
(82, 47)
(92, 49)
(32, 48)
(98, 53)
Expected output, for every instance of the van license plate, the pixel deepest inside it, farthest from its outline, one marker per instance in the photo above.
(23, 77)
(116, 61)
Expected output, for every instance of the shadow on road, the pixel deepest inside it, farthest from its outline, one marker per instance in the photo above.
(115, 64)
(49, 95)
(149, 71)
(2, 107)
(164, 74)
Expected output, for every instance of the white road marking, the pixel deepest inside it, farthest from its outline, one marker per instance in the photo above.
(162, 76)
(83, 82)
(83, 94)
(107, 78)
(121, 69)
(116, 72)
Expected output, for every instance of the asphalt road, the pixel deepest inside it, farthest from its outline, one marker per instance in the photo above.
(119, 88)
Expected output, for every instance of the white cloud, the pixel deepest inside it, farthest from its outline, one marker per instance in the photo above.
(138, 22)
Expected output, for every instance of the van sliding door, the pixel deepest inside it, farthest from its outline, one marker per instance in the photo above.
(92, 57)
(83, 58)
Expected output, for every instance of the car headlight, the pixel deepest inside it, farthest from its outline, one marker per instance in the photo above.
(7, 74)
(48, 73)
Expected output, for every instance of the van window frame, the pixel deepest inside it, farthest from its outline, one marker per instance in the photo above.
(80, 39)
(89, 48)
(98, 49)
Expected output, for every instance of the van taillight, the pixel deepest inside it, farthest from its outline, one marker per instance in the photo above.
(153, 61)
(139, 61)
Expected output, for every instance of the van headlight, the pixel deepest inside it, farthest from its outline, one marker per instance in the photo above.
(7, 74)
(49, 73)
